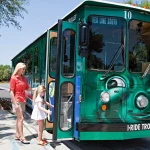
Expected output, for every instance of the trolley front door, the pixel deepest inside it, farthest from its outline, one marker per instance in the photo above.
(50, 74)
(65, 79)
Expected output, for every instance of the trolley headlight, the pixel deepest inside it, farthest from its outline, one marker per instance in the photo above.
(115, 82)
(105, 97)
(142, 101)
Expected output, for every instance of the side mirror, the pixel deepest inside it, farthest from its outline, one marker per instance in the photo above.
(83, 40)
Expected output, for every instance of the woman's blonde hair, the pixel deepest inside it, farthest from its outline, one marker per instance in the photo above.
(18, 66)
(39, 89)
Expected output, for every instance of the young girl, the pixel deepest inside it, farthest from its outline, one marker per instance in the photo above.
(39, 112)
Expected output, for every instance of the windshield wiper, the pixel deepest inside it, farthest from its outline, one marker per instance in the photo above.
(113, 60)
(146, 71)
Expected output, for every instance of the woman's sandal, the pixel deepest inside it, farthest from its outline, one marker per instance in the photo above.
(43, 143)
(17, 138)
(24, 141)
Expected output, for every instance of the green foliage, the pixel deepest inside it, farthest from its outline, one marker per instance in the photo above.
(128, 2)
(96, 42)
(145, 3)
(140, 52)
(5, 72)
(10, 10)
(141, 3)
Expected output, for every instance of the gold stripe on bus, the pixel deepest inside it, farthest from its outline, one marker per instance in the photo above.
(50, 79)
(48, 124)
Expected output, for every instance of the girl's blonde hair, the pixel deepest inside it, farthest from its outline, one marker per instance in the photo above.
(18, 66)
(39, 89)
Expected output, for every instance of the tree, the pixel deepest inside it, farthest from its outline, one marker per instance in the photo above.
(145, 4)
(128, 2)
(5, 73)
(142, 3)
(1, 72)
(10, 10)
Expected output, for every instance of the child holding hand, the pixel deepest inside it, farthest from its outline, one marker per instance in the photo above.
(39, 112)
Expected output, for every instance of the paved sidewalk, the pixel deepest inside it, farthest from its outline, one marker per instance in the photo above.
(7, 131)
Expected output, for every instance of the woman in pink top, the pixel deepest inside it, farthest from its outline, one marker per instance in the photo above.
(18, 85)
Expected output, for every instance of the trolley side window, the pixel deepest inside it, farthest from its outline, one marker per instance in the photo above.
(36, 54)
(66, 110)
(28, 60)
(139, 45)
(44, 58)
(53, 50)
(68, 67)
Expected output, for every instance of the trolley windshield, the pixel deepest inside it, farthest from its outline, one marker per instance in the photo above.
(107, 35)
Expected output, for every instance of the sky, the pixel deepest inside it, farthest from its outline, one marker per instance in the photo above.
(41, 15)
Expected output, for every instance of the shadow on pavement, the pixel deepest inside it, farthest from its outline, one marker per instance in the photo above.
(29, 137)
(5, 135)
(4, 128)
(142, 144)
(54, 144)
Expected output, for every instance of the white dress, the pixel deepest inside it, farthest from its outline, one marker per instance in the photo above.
(38, 114)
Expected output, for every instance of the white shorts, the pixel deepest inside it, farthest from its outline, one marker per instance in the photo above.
(21, 107)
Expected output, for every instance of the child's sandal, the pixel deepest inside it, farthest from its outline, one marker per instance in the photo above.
(43, 143)
(43, 140)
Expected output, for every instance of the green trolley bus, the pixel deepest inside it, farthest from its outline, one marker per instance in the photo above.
(95, 65)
